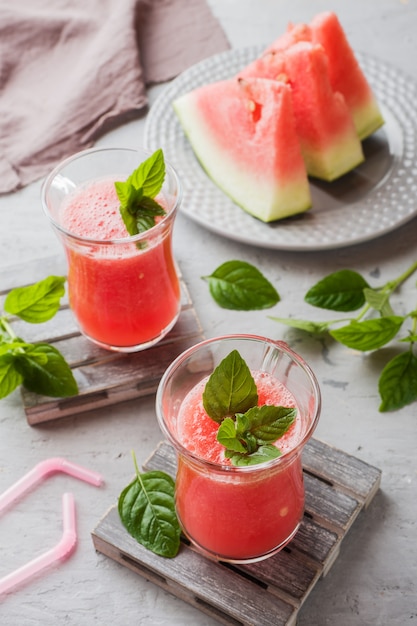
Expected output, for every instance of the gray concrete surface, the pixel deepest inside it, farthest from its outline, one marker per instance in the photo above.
(373, 582)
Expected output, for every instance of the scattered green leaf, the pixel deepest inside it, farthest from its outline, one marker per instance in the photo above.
(347, 290)
(10, 378)
(379, 301)
(315, 328)
(147, 510)
(36, 303)
(39, 367)
(45, 371)
(398, 382)
(340, 291)
(240, 286)
(369, 334)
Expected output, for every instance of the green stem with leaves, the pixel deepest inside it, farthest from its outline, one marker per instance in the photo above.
(347, 290)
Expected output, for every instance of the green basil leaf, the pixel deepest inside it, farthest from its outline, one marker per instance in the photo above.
(227, 436)
(10, 378)
(44, 371)
(149, 206)
(378, 301)
(340, 291)
(36, 303)
(410, 339)
(230, 388)
(145, 214)
(398, 382)
(265, 423)
(315, 328)
(138, 208)
(369, 334)
(262, 454)
(124, 192)
(12, 346)
(240, 286)
(147, 510)
(129, 221)
(150, 175)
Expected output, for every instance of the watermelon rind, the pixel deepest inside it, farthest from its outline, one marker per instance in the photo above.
(256, 194)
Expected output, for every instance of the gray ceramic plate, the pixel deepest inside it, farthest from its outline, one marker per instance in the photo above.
(372, 200)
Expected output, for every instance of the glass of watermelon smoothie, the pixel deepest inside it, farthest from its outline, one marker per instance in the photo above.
(124, 290)
(238, 514)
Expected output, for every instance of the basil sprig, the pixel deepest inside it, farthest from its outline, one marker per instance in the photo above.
(147, 509)
(39, 367)
(373, 327)
(138, 207)
(247, 430)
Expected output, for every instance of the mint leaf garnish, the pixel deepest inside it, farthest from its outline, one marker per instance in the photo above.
(39, 367)
(261, 455)
(138, 207)
(147, 509)
(230, 389)
(240, 286)
(246, 430)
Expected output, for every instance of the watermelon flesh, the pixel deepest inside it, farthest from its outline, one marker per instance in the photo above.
(345, 73)
(329, 142)
(243, 133)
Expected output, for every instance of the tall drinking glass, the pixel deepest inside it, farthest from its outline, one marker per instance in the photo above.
(237, 513)
(123, 290)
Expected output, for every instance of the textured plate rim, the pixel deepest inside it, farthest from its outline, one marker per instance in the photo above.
(396, 94)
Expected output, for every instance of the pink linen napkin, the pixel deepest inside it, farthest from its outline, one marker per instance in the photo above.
(72, 69)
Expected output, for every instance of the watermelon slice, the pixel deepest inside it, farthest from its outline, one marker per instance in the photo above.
(329, 142)
(346, 75)
(243, 133)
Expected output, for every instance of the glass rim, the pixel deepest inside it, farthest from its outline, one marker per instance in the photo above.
(46, 184)
(242, 469)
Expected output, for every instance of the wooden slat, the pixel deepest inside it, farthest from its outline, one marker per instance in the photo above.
(272, 591)
(104, 377)
(350, 474)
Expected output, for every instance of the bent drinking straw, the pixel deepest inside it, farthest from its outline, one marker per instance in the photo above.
(69, 538)
(43, 470)
(62, 550)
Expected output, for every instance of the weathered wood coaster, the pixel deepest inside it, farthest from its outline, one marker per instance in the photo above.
(338, 487)
(104, 378)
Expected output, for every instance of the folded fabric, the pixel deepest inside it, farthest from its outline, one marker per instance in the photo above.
(72, 69)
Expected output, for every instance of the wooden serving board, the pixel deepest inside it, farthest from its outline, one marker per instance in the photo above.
(338, 487)
(104, 378)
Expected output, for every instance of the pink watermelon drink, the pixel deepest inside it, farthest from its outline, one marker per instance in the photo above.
(237, 512)
(123, 290)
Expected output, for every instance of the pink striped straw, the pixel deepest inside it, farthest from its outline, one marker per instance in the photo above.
(61, 551)
(43, 470)
(68, 541)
